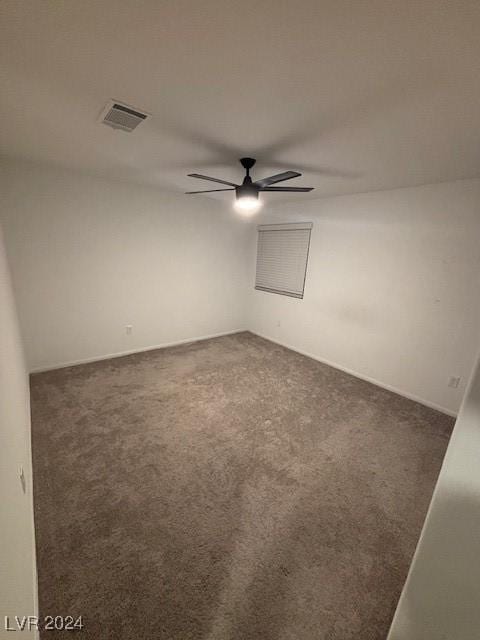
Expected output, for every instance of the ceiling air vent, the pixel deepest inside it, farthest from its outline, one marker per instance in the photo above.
(121, 116)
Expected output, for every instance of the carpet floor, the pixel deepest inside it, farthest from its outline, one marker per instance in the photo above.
(229, 489)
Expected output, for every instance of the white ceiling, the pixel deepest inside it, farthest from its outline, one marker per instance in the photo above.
(359, 95)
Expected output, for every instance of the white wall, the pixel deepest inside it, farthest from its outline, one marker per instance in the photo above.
(392, 290)
(392, 294)
(17, 556)
(441, 597)
(90, 256)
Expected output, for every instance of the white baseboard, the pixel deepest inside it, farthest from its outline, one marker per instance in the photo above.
(382, 385)
(119, 354)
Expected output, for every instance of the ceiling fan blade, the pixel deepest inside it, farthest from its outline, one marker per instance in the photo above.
(279, 177)
(329, 172)
(198, 175)
(208, 191)
(284, 189)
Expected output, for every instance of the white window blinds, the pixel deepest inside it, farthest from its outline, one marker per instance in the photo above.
(282, 254)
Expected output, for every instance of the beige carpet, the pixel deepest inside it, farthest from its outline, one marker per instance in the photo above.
(227, 489)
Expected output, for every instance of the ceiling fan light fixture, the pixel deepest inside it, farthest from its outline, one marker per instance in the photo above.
(247, 204)
(246, 199)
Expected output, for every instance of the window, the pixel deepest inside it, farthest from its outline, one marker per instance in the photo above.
(282, 254)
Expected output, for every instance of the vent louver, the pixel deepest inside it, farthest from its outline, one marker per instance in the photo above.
(121, 116)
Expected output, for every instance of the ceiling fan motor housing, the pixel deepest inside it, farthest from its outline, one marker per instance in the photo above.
(246, 190)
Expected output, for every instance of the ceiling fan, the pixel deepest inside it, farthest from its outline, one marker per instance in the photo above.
(247, 192)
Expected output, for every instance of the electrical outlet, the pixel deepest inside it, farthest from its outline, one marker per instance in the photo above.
(279, 324)
(454, 381)
(129, 329)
